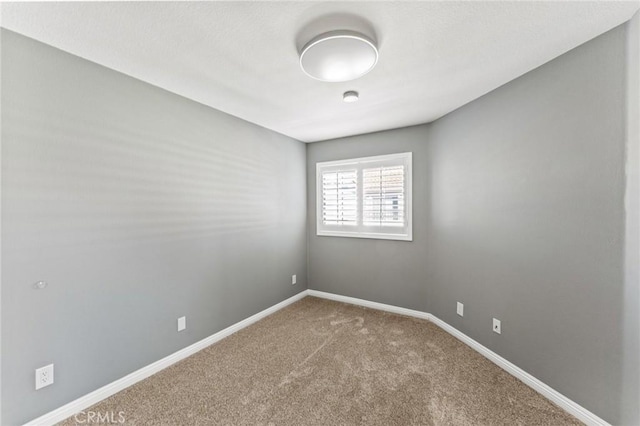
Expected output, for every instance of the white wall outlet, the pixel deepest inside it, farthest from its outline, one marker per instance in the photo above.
(182, 323)
(293, 279)
(44, 376)
(497, 327)
(460, 309)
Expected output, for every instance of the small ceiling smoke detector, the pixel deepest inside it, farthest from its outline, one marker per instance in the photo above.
(350, 96)
(338, 56)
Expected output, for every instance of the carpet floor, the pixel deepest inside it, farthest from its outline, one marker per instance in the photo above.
(319, 362)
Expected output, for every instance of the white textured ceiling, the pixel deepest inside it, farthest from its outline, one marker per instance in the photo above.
(242, 57)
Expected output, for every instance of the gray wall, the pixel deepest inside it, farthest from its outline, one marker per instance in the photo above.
(631, 366)
(519, 214)
(137, 206)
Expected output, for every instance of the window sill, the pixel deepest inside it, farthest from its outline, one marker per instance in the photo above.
(369, 235)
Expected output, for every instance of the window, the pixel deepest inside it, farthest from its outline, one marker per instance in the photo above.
(365, 197)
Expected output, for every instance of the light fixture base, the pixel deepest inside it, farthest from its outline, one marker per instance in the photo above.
(350, 96)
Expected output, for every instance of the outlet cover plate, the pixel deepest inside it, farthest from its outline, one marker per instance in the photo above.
(182, 323)
(44, 376)
(460, 309)
(497, 326)
(293, 279)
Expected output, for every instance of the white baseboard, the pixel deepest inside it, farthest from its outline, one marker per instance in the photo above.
(98, 395)
(368, 304)
(545, 390)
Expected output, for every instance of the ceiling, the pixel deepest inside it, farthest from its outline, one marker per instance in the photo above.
(242, 57)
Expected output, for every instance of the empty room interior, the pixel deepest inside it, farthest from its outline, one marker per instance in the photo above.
(320, 213)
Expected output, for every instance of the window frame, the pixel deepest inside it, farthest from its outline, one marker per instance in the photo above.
(360, 230)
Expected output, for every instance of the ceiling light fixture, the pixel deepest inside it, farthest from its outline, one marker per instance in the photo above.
(350, 96)
(338, 56)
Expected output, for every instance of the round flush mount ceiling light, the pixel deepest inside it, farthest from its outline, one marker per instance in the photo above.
(338, 56)
(350, 96)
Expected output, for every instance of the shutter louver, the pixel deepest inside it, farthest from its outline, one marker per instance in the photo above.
(340, 197)
(383, 196)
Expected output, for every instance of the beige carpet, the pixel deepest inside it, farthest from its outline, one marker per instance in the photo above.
(319, 362)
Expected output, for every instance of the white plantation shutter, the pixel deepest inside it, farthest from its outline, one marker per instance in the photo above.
(365, 197)
(340, 197)
(383, 196)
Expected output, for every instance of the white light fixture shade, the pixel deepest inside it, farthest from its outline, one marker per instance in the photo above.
(338, 56)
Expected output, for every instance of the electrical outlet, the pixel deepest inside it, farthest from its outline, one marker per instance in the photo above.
(497, 327)
(182, 323)
(44, 376)
(293, 279)
(460, 309)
